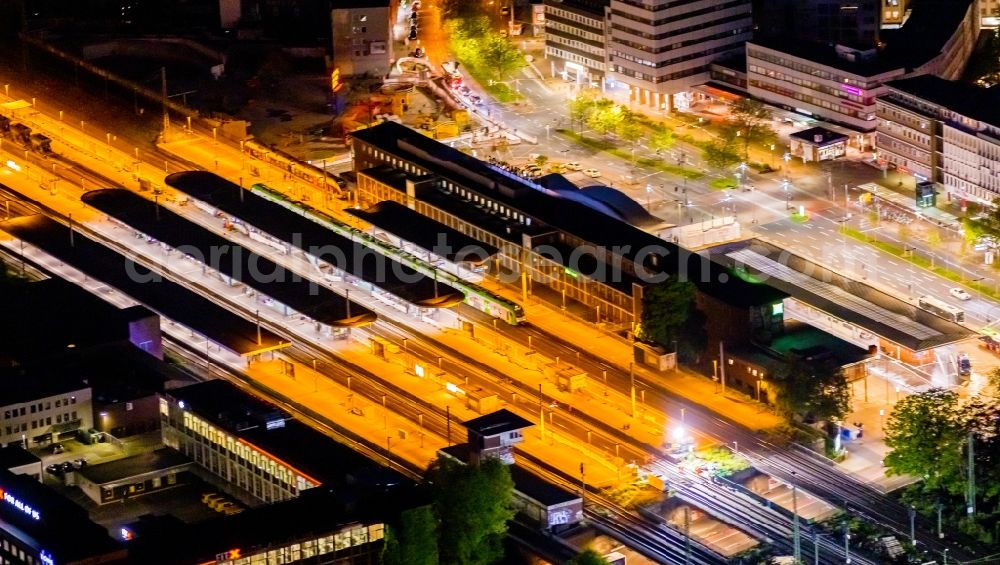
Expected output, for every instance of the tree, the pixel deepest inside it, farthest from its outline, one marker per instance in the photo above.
(498, 54)
(588, 557)
(670, 317)
(581, 107)
(473, 505)
(414, 540)
(661, 140)
(720, 155)
(816, 390)
(925, 436)
(752, 120)
(605, 117)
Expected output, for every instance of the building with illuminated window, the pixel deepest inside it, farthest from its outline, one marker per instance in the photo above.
(256, 447)
(576, 39)
(947, 132)
(839, 83)
(40, 527)
(318, 527)
(578, 249)
(658, 49)
(362, 37)
(38, 408)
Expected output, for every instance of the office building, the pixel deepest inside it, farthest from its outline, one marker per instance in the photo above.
(839, 84)
(40, 527)
(944, 131)
(362, 37)
(39, 407)
(576, 40)
(843, 22)
(257, 448)
(659, 49)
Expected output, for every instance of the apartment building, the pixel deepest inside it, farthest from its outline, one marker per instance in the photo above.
(659, 49)
(944, 131)
(362, 37)
(576, 40)
(38, 408)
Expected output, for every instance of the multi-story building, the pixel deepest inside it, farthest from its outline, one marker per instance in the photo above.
(837, 86)
(37, 408)
(894, 13)
(576, 39)
(659, 49)
(256, 447)
(40, 527)
(944, 131)
(844, 22)
(362, 37)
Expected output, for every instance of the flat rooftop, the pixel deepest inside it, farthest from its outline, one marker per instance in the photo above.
(498, 422)
(170, 300)
(57, 524)
(121, 469)
(424, 232)
(314, 454)
(28, 330)
(233, 260)
(551, 212)
(25, 384)
(854, 302)
(16, 456)
(385, 273)
(536, 488)
(971, 101)
(317, 512)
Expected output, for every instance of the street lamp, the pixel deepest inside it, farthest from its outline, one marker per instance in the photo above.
(649, 192)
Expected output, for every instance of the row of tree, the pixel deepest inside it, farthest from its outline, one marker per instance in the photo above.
(930, 436)
(604, 117)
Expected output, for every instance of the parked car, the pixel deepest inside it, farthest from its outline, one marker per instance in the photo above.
(960, 293)
(223, 506)
(55, 469)
(574, 166)
(58, 448)
(79, 463)
(68, 467)
(413, 33)
(592, 173)
(964, 365)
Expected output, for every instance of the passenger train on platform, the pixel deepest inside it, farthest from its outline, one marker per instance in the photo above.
(476, 296)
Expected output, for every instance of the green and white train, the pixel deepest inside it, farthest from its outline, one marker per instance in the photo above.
(476, 296)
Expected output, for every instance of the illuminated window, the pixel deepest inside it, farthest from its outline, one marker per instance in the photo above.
(777, 309)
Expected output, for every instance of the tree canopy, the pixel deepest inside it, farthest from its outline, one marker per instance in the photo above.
(816, 390)
(414, 540)
(473, 504)
(669, 315)
(720, 154)
(751, 123)
(929, 435)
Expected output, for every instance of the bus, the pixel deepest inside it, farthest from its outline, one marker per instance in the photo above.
(941, 308)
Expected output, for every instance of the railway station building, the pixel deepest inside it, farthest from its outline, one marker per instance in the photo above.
(563, 246)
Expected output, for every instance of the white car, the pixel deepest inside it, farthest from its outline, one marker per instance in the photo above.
(592, 173)
(960, 293)
(574, 166)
